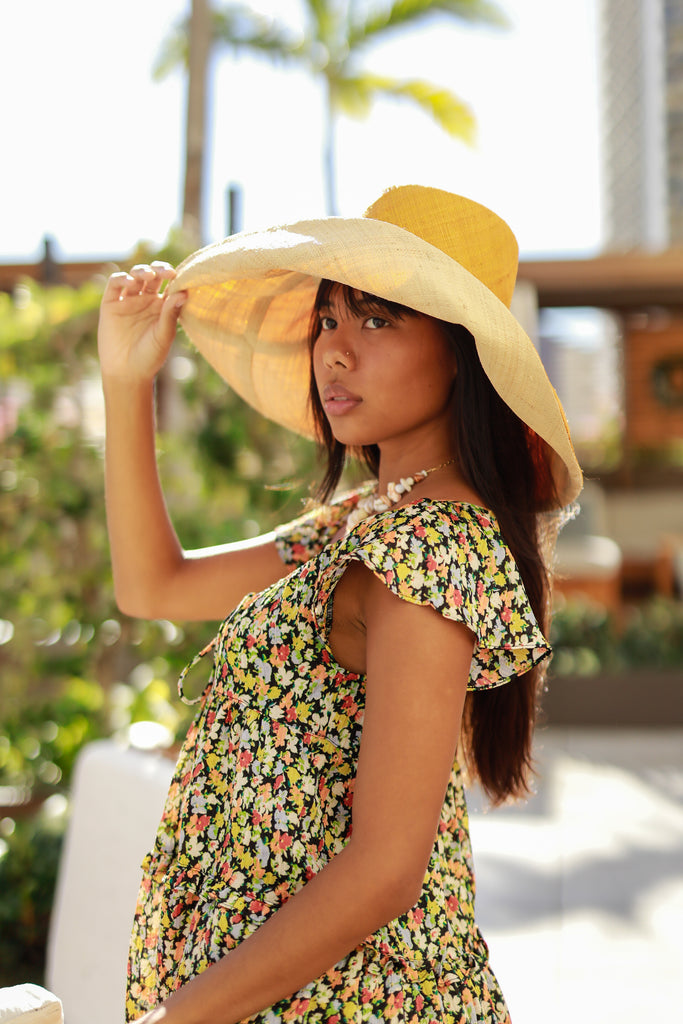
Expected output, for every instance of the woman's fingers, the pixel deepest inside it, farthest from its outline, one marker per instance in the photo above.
(148, 278)
(154, 275)
(164, 270)
(143, 279)
(115, 286)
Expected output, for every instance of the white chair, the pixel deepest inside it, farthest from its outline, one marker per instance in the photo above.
(117, 799)
(29, 1004)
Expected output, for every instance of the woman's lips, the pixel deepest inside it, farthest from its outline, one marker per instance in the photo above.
(338, 400)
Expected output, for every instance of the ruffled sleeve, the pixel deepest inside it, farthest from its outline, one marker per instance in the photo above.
(452, 557)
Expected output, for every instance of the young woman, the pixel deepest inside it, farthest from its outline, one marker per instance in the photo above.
(313, 861)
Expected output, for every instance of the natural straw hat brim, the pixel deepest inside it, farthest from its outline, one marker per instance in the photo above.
(250, 300)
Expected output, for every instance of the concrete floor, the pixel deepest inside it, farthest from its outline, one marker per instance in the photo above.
(580, 891)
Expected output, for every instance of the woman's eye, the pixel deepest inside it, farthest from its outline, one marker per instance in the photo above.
(376, 322)
(327, 323)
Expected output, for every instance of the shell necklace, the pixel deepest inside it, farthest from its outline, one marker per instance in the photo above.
(375, 502)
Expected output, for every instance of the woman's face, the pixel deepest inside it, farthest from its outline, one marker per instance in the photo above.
(382, 376)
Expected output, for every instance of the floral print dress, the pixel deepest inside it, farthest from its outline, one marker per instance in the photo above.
(261, 797)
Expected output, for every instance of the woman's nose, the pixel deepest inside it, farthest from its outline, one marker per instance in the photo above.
(338, 352)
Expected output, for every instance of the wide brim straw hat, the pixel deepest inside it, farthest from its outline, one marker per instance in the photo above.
(251, 297)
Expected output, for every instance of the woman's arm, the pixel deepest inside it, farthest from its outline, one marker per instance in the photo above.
(153, 576)
(417, 671)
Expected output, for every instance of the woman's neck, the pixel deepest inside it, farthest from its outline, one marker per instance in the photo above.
(443, 479)
(404, 457)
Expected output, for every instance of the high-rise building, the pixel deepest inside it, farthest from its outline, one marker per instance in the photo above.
(642, 123)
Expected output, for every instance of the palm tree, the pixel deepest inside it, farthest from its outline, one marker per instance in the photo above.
(336, 34)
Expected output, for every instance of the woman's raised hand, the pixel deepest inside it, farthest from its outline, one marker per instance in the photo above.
(137, 322)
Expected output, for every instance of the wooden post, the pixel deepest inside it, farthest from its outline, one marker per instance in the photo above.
(195, 132)
(234, 209)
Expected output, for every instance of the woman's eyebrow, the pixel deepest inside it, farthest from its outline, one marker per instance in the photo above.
(368, 304)
(362, 305)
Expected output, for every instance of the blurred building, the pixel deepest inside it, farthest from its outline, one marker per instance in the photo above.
(642, 85)
(581, 351)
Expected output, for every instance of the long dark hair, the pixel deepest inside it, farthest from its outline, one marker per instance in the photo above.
(508, 466)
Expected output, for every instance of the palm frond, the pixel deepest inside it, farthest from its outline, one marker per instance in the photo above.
(447, 110)
(401, 14)
(174, 50)
(353, 95)
(324, 17)
(237, 27)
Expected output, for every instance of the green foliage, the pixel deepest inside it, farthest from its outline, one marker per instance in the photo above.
(40, 741)
(586, 639)
(39, 745)
(654, 636)
(668, 454)
(227, 473)
(603, 453)
(29, 859)
(72, 667)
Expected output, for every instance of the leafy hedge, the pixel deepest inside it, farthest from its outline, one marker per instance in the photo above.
(587, 639)
(28, 873)
(72, 667)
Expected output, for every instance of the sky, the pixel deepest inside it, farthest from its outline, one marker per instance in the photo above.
(93, 145)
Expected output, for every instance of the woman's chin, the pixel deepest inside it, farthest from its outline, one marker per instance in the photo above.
(351, 438)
